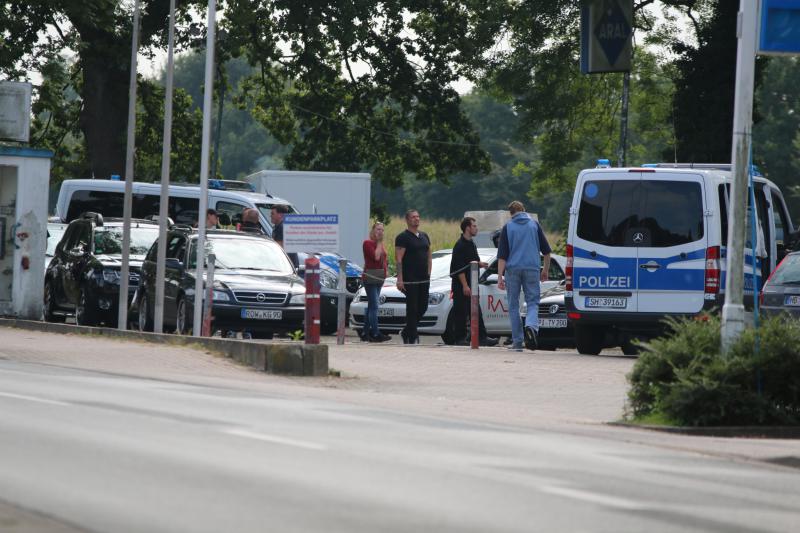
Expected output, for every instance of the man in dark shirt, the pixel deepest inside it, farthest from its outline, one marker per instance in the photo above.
(465, 252)
(276, 217)
(413, 258)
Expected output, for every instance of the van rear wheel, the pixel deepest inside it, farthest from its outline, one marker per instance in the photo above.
(589, 339)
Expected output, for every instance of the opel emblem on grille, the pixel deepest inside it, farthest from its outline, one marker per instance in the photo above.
(638, 237)
(261, 297)
(554, 309)
(382, 299)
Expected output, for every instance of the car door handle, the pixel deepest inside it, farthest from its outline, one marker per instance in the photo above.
(650, 265)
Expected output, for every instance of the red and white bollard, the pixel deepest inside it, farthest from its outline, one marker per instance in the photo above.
(312, 321)
(474, 306)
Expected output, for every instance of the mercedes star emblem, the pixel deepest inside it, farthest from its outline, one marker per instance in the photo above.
(638, 237)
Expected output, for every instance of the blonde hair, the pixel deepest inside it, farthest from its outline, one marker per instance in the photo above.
(374, 226)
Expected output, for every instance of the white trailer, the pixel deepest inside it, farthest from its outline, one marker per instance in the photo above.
(346, 194)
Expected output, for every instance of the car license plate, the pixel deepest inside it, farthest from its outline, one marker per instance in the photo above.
(792, 299)
(262, 314)
(552, 322)
(606, 302)
(385, 312)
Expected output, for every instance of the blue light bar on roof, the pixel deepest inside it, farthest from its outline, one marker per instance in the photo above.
(603, 163)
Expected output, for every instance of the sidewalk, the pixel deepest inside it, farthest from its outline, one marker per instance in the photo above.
(555, 391)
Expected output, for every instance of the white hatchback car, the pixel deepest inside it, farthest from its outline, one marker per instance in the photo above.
(439, 316)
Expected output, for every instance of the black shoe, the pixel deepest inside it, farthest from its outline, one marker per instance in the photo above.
(531, 342)
(461, 342)
(384, 338)
(508, 342)
(488, 341)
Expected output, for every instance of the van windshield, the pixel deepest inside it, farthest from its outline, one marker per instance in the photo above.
(654, 213)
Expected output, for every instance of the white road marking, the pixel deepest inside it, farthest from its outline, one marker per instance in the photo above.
(32, 398)
(608, 501)
(275, 439)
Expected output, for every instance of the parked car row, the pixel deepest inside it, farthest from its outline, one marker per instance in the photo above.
(256, 287)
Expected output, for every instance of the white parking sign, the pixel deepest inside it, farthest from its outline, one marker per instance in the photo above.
(311, 233)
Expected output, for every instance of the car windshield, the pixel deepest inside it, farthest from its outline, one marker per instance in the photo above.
(245, 254)
(788, 273)
(266, 209)
(55, 232)
(108, 240)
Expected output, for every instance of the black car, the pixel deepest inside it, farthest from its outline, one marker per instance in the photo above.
(329, 280)
(256, 288)
(83, 278)
(555, 330)
(781, 292)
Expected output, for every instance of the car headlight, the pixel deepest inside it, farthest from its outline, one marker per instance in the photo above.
(219, 296)
(435, 298)
(297, 299)
(111, 276)
(328, 279)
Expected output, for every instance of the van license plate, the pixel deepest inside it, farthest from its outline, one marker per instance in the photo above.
(605, 302)
(552, 322)
(792, 299)
(262, 314)
(385, 311)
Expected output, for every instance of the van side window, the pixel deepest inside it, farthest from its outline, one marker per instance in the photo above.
(108, 203)
(232, 210)
(779, 216)
(672, 211)
(184, 210)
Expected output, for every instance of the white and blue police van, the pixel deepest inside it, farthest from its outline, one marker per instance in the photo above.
(650, 242)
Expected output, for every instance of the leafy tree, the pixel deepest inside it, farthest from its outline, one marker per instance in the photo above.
(364, 85)
(98, 32)
(776, 138)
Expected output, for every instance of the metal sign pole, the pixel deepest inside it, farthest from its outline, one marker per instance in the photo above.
(163, 205)
(474, 306)
(122, 316)
(341, 295)
(733, 309)
(208, 91)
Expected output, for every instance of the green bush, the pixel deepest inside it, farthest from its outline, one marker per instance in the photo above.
(683, 378)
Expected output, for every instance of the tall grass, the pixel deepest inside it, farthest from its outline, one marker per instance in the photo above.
(443, 234)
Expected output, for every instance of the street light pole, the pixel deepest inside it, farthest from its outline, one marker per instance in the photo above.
(163, 206)
(733, 309)
(208, 91)
(124, 281)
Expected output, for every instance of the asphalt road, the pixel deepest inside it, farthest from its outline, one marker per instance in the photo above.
(87, 451)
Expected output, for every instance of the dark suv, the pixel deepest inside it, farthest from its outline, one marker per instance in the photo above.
(255, 286)
(83, 278)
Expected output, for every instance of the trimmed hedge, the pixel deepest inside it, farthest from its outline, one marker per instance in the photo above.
(683, 379)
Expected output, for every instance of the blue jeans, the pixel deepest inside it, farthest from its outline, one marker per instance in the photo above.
(371, 323)
(527, 280)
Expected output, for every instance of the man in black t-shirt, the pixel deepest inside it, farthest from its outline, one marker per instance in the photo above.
(413, 258)
(276, 217)
(465, 252)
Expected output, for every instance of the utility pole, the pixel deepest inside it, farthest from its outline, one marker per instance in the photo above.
(733, 309)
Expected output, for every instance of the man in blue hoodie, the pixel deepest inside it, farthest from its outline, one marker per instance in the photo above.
(519, 266)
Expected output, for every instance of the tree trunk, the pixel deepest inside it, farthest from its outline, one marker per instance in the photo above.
(104, 119)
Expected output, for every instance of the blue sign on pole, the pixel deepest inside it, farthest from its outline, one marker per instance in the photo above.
(779, 27)
(606, 35)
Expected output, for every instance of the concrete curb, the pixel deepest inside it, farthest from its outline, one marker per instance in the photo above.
(294, 359)
(752, 432)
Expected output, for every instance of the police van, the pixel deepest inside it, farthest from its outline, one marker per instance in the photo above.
(106, 197)
(647, 243)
